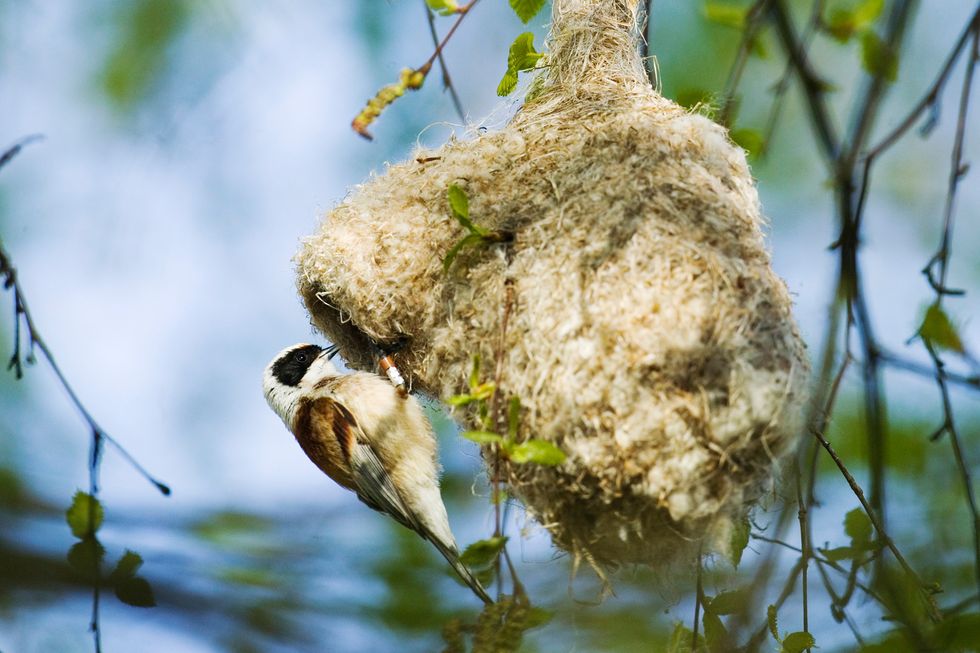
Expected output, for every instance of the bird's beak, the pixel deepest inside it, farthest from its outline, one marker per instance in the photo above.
(331, 351)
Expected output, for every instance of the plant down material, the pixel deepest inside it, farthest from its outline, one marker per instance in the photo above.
(648, 336)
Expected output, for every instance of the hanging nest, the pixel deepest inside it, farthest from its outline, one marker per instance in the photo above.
(646, 333)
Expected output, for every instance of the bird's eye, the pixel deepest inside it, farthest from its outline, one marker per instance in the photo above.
(301, 358)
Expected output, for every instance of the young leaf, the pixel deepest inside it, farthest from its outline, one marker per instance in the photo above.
(460, 400)
(483, 552)
(522, 56)
(474, 379)
(729, 602)
(878, 58)
(507, 83)
(719, 641)
(127, 566)
(839, 553)
(858, 527)
(459, 202)
(443, 7)
(469, 240)
(136, 592)
(513, 417)
(484, 390)
(738, 540)
(85, 557)
(798, 642)
(750, 140)
(725, 14)
(85, 515)
(482, 437)
(938, 331)
(773, 622)
(541, 452)
(526, 9)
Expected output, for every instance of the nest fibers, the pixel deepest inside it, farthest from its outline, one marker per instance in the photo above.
(646, 336)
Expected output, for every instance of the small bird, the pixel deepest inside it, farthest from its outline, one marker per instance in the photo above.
(368, 437)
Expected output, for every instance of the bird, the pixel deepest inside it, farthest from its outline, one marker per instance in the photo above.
(368, 436)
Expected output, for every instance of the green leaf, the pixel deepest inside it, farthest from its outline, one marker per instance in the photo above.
(483, 552)
(719, 641)
(680, 639)
(773, 622)
(513, 417)
(85, 557)
(878, 58)
(85, 515)
(469, 240)
(443, 7)
(136, 592)
(459, 202)
(482, 437)
(937, 330)
(729, 602)
(537, 617)
(725, 14)
(541, 452)
(858, 527)
(127, 566)
(798, 642)
(840, 553)
(750, 140)
(474, 379)
(868, 12)
(526, 9)
(507, 83)
(460, 400)
(484, 390)
(738, 540)
(522, 56)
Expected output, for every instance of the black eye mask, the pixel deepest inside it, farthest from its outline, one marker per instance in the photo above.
(289, 369)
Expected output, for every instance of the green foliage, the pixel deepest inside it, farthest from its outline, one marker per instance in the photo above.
(499, 628)
(527, 9)
(858, 527)
(751, 140)
(86, 556)
(459, 206)
(798, 642)
(536, 451)
(697, 99)
(541, 452)
(795, 642)
(723, 13)
(728, 602)
(938, 330)
(85, 515)
(521, 57)
(144, 32)
(483, 553)
(843, 22)
(878, 57)
(443, 7)
(738, 540)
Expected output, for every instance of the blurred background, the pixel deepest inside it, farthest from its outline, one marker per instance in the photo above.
(189, 145)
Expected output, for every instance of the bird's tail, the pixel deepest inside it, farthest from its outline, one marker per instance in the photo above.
(451, 554)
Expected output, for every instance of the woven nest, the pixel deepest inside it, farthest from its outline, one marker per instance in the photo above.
(647, 335)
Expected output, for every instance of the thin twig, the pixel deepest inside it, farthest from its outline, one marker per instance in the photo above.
(876, 522)
(447, 82)
(754, 19)
(804, 546)
(814, 87)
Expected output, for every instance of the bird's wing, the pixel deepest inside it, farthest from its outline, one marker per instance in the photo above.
(371, 481)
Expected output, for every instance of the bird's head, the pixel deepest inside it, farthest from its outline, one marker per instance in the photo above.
(294, 372)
